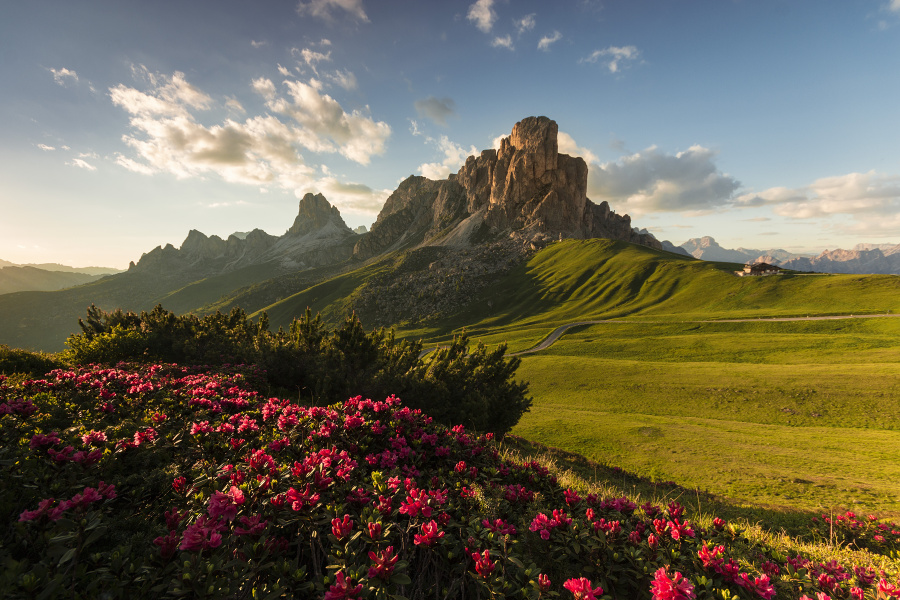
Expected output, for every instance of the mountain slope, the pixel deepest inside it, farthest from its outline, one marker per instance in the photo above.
(576, 280)
(25, 278)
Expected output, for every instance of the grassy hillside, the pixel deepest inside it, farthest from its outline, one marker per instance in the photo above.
(597, 279)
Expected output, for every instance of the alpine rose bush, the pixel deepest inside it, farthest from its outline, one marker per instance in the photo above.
(162, 481)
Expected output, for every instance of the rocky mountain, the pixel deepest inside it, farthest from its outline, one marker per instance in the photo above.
(457, 236)
(863, 259)
(848, 261)
(886, 249)
(706, 248)
(526, 190)
(318, 236)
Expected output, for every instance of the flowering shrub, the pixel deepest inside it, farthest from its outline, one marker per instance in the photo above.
(863, 532)
(161, 481)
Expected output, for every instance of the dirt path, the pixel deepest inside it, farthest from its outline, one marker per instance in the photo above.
(559, 331)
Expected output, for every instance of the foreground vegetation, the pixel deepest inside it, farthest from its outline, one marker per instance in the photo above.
(185, 482)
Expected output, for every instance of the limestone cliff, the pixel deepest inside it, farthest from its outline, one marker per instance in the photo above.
(526, 189)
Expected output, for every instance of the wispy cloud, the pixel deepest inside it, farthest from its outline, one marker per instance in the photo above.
(81, 164)
(616, 57)
(525, 24)
(324, 9)
(63, 76)
(483, 15)
(567, 145)
(311, 57)
(258, 44)
(503, 42)
(454, 156)
(436, 109)
(344, 79)
(548, 40)
(45, 147)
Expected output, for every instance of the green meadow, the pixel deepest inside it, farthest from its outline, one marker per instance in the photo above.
(800, 415)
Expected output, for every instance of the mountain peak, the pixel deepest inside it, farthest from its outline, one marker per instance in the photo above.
(315, 213)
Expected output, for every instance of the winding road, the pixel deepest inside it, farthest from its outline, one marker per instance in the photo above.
(559, 331)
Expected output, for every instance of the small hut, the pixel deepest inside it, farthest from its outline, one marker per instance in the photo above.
(759, 270)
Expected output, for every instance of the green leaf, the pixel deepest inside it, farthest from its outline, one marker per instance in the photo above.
(401, 579)
(69, 555)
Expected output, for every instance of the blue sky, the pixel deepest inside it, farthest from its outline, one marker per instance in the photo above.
(764, 123)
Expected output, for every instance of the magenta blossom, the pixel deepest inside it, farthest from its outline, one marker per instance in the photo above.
(675, 588)
(581, 589)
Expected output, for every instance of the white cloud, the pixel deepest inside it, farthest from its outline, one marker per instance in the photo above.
(652, 181)
(45, 147)
(323, 8)
(325, 42)
(174, 98)
(549, 40)
(503, 42)
(234, 104)
(894, 6)
(264, 87)
(61, 76)
(865, 196)
(256, 44)
(436, 109)
(483, 15)
(524, 24)
(313, 58)
(566, 145)
(285, 71)
(352, 196)
(344, 79)
(414, 127)
(454, 157)
(81, 164)
(617, 56)
(259, 150)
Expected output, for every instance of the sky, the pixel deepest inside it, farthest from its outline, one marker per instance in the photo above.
(125, 124)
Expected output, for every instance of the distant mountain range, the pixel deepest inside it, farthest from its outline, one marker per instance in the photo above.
(46, 277)
(863, 259)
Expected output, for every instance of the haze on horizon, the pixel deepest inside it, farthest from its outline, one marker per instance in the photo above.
(764, 124)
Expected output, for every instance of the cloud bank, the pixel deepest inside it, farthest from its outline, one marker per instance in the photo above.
(167, 136)
(653, 181)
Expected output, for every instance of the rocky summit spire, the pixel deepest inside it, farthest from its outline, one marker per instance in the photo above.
(316, 213)
(526, 188)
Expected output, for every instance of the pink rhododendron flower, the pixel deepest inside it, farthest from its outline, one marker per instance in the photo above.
(341, 528)
(484, 566)
(251, 525)
(383, 564)
(676, 588)
(94, 438)
(225, 505)
(343, 588)
(581, 589)
(374, 530)
(430, 534)
(543, 582)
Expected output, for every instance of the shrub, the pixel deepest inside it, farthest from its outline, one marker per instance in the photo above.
(160, 481)
(14, 360)
(454, 384)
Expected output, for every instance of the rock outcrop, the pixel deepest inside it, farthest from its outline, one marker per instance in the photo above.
(526, 188)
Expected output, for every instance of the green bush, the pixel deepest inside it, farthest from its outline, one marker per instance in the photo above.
(319, 366)
(14, 360)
